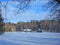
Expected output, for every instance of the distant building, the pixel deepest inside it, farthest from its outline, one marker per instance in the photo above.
(39, 30)
(27, 30)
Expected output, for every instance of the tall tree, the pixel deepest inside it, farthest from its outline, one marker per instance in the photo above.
(1, 21)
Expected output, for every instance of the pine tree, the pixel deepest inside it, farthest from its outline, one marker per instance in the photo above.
(1, 21)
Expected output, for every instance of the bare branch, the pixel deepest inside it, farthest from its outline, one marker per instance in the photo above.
(25, 3)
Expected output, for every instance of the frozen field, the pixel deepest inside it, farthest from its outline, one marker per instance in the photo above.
(29, 38)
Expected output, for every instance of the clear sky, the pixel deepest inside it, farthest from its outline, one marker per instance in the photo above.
(35, 11)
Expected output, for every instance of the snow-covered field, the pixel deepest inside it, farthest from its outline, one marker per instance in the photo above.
(29, 38)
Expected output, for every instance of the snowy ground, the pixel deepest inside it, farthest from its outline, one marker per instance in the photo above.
(29, 38)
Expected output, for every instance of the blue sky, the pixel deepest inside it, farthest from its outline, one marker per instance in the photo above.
(37, 10)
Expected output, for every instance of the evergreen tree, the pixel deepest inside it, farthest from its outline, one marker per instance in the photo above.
(1, 21)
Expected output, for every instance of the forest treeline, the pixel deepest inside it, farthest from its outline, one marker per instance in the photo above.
(45, 25)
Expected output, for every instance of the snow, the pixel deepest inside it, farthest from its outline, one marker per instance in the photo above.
(29, 38)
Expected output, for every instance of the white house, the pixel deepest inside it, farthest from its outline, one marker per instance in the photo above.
(27, 30)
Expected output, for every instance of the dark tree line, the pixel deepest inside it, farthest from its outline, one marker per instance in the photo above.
(50, 25)
(44, 25)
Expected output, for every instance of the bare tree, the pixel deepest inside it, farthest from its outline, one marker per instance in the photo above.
(54, 8)
(20, 6)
